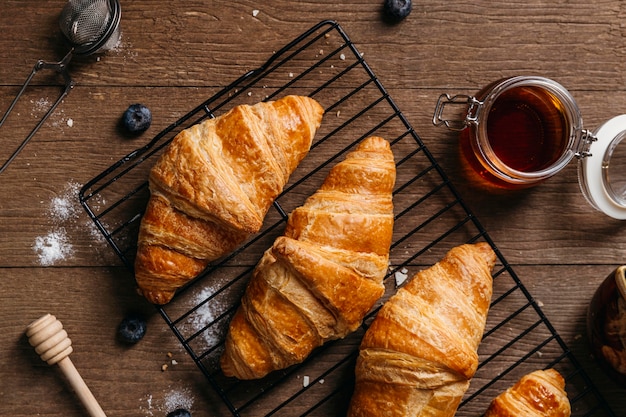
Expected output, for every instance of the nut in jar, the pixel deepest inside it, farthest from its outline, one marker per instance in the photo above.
(606, 324)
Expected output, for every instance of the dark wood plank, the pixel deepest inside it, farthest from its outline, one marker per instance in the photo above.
(172, 56)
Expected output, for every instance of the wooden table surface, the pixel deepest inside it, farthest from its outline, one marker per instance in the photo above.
(172, 56)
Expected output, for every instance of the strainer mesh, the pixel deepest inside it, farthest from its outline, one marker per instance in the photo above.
(84, 22)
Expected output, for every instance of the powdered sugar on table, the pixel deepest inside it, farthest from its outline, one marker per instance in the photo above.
(63, 213)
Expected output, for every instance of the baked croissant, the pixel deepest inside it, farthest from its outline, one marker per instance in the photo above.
(213, 186)
(538, 394)
(318, 281)
(420, 352)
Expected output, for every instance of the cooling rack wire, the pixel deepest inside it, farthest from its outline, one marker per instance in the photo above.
(430, 218)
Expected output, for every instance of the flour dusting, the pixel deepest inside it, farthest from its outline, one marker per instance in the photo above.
(171, 400)
(64, 207)
(205, 315)
(56, 119)
(53, 247)
(64, 216)
(176, 399)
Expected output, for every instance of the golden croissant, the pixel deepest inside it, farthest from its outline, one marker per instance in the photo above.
(213, 186)
(420, 352)
(537, 394)
(318, 281)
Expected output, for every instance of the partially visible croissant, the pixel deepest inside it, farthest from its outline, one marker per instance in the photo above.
(420, 352)
(538, 394)
(213, 186)
(317, 282)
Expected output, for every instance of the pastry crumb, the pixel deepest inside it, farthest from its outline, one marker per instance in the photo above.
(401, 276)
(255, 13)
(305, 381)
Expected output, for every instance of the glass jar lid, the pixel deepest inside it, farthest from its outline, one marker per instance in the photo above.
(602, 174)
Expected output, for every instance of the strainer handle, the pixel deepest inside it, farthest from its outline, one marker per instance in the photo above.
(61, 68)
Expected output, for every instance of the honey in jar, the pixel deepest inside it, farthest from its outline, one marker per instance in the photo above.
(520, 131)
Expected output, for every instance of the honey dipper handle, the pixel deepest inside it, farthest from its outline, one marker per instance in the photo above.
(53, 345)
(81, 389)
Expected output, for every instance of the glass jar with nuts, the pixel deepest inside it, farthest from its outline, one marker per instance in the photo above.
(606, 324)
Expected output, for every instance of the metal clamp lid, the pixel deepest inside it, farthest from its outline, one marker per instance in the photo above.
(473, 108)
(585, 139)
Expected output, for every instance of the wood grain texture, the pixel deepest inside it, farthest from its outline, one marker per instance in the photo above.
(172, 56)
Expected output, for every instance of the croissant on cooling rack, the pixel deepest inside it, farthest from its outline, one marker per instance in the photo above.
(537, 394)
(318, 281)
(213, 186)
(420, 352)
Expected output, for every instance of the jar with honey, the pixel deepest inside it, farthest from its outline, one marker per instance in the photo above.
(517, 132)
(606, 324)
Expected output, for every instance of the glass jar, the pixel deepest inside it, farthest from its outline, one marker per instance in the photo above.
(517, 132)
(606, 324)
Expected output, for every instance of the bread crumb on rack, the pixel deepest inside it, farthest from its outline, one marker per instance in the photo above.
(401, 276)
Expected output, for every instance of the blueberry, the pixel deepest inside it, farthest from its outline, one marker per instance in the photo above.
(132, 328)
(137, 118)
(397, 9)
(180, 412)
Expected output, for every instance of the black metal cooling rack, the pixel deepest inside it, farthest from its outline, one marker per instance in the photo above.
(430, 218)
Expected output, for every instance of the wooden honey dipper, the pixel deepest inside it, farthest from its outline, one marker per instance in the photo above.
(52, 344)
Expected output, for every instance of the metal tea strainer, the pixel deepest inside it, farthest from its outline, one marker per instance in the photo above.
(89, 26)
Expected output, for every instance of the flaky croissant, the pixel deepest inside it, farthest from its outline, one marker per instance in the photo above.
(537, 394)
(213, 186)
(318, 281)
(420, 352)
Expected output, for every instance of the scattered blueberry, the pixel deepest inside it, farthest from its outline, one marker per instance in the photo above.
(137, 118)
(132, 328)
(397, 9)
(181, 412)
